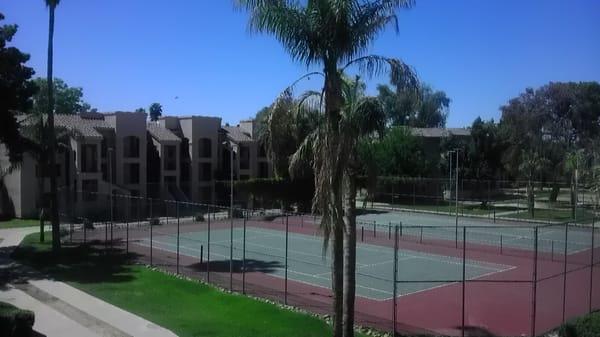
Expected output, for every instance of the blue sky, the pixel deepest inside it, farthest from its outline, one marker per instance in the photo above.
(129, 53)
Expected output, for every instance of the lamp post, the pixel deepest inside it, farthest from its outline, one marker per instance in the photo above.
(230, 145)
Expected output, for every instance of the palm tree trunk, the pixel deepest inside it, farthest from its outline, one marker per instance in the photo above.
(333, 173)
(349, 254)
(51, 136)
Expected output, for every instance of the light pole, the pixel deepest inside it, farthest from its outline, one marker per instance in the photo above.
(456, 196)
(230, 146)
(110, 181)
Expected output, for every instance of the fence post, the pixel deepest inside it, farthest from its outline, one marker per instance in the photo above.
(501, 245)
(592, 264)
(71, 231)
(150, 223)
(400, 228)
(395, 303)
(126, 235)
(565, 273)
(464, 274)
(362, 233)
(286, 259)
(208, 246)
(231, 252)
(421, 236)
(84, 230)
(177, 214)
(390, 231)
(244, 258)
(534, 285)
(374, 228)
(552, 252)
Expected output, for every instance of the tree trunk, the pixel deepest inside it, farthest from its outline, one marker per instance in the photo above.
(52, 140)
(349, 254)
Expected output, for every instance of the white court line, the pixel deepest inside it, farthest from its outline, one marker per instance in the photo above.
(320, 275)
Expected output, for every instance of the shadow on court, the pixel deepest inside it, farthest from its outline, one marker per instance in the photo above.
(267, 267)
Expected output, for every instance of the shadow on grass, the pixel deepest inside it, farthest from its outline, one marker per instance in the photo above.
(267, 267)
(74, 263)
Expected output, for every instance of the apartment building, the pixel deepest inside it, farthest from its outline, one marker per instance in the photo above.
(177, 158)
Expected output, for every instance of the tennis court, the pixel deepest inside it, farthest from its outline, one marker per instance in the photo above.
(512, 234)
(265, 252)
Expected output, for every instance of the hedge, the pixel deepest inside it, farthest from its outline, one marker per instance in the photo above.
(15, 322)
(586, 326)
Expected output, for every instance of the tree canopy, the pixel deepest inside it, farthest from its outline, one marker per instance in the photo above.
(67, 100)
(16, 90)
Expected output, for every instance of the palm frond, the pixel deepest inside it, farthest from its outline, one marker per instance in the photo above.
(402, 75)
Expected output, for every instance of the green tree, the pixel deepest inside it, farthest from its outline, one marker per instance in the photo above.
(140, 110)
(155, 111)
(67, 100)
(532, 163)
(51, 4)
(16, 90)
(424, 109)
(333, 35)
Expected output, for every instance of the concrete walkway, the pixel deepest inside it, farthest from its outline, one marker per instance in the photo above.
(64, 311)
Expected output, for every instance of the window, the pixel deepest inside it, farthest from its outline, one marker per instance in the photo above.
(131, 147)
(205, 172)
(89, 158)
(90, 189)
(205, 148)
(131, 173)
(244, 158)
(170, 180)
(263, 170)
(170, 157)
(206, 194)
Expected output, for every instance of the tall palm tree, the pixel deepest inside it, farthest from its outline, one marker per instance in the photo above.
(51, 4)
(361, 116)
(332, 34)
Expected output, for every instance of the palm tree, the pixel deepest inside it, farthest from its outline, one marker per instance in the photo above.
(155, 111)
(572, 166)
(332, 34)
(51, 4)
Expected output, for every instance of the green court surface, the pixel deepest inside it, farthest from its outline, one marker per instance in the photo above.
(512, 234)
(265, 252)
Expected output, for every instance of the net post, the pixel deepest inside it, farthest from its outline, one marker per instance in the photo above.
(564, 304)
(592, 263)
(208, 246)
(244, 256)
(177, 214)
(464, 274)
(534, 282)
(395, 294)
(286, 259)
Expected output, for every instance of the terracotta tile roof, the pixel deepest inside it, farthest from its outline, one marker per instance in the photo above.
(236, 134)
(440, 132)
(160, 133)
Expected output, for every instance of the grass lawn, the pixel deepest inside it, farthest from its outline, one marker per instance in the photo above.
(19, 223)
(187, 308)
(584, 216)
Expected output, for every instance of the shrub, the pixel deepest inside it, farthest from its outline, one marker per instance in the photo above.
(586, 326)
(155, 222)
(199, 217)
(15, 322)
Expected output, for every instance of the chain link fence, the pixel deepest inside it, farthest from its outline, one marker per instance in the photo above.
(504, 279)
